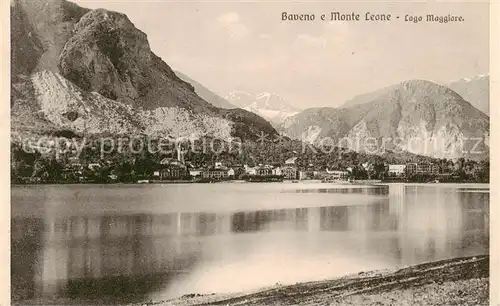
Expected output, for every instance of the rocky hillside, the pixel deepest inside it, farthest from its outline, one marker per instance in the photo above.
(93, 71)
(416, 116)
(268, 105)
(206, 93)
(368, 97)
(39, 31)
(83, 112)
(475, 90)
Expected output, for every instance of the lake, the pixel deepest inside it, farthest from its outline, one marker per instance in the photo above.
(134, 243)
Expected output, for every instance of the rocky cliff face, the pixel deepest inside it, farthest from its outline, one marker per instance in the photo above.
(93, 71)
(108, 55)
(39, 31)
(416, 116)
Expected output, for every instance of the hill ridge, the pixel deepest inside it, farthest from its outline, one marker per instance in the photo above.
(410, 109)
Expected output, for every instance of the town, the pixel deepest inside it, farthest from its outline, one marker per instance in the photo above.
(178, 170)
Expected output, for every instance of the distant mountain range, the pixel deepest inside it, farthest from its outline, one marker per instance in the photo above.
(93, 71)
(267, 105)
(270, 106)
(475, 90)
(418, 116)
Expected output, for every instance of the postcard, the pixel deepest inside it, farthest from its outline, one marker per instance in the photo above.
(250, 153)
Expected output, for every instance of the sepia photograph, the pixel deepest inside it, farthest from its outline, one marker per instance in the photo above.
(249, 152)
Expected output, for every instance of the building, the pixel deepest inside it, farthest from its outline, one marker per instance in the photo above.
(277, 171)
(74, 163)
(425, 168)
(321, 174)
(172, 169)
(215, 173)
(397, 170)
(249, 170)
(173, 172)
(265, 170)
(411, 168)
(290, 172)
(195, 172)
(239, 172)
(422, 168)
(71, 174)
(337, 175)
(306, 175)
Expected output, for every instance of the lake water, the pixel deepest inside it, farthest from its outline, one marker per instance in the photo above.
(139, 242)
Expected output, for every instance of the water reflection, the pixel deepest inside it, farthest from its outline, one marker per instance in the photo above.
(126, 257)
(344, 190)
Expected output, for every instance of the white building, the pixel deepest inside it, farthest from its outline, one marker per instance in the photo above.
(397, 170)
(277, 171)
(340, 175)
(195, 172)
(249, 170)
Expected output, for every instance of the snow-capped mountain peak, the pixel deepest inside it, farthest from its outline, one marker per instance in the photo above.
(269, 105)
(475, 90)
(470, 79)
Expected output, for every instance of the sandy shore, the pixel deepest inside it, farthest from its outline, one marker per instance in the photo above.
(461, 281)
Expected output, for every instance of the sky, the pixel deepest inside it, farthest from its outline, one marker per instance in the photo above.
(245, 45)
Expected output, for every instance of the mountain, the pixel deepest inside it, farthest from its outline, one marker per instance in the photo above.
(205, 93)
(416, 116)
(93, 71)
(367, 97)
(268, 105)
(475, 90)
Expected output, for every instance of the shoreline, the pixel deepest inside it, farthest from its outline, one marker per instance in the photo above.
(456, 281)
(354, 183)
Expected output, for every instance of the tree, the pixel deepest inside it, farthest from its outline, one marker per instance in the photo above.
(482, 174)
(359, 173)
(124, 172)
(144, 164)
(378, 171)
